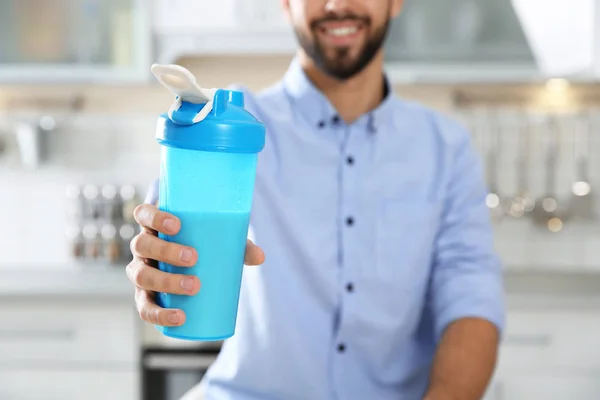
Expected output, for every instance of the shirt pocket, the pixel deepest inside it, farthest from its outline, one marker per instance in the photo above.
(406, 234)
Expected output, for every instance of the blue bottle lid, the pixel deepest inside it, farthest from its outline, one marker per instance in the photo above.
(206, 119)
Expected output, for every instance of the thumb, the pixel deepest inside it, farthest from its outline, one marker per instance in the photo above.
(254, 254)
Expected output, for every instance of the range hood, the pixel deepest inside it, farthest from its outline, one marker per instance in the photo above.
(563, 35)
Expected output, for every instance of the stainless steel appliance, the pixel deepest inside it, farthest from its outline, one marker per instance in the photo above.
(168, 373)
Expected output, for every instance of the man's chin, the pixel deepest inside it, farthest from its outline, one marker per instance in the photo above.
(341, 71)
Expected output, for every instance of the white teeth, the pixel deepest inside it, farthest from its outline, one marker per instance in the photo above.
(342, 31)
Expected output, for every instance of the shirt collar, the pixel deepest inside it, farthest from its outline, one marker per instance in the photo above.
(319, 111)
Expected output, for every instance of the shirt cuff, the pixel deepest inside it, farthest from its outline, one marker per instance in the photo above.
(483, 300)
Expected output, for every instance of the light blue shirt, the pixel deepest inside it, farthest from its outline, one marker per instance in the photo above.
(376, 238)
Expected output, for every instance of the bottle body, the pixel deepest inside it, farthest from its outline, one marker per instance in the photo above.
(209, 150)
(211, 193)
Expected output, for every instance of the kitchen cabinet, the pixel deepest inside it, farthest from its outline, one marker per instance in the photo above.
(50, 384)
(546, 387)
(69, 348)
(74, 41)
(544, 339)
(225, 27)
(83, 332)
(493, 40)
(548, 354)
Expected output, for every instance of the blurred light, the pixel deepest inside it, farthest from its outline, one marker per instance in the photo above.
(73, 191)
(549, 205)
(581, 188)
(108, 232)
(127, 192)
(126, 232)
(557, 85)
(529, 205)
(557, 95)
(47, 123)
(555, 225)
(492, 200)
(109, 192)
(90, 191)
(90, 231)
(517, 210)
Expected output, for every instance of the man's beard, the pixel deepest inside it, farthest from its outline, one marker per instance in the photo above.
(340, 66)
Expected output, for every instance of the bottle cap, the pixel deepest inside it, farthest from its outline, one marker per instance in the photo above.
(205, 119)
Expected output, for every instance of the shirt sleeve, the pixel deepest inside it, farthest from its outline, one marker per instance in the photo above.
(467, 275)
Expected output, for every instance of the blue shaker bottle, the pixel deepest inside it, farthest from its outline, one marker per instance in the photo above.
(209, 150)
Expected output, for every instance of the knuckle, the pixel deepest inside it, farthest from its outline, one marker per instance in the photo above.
(145, 215)
(133, 276)
(140, 213)
(129, 271)
(141, 313)
(140, 245)
(134, 245)
(148, 313)
(142, 304)
(142, 276)
(154, 314)
(137, 274)
(136, 298)
(154, 218)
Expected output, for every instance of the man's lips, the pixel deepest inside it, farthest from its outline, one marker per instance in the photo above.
(341, 33)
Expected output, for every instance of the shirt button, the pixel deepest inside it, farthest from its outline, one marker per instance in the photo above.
(350, 288)
(350, 160)
(335, 119)
(349, 221)
(341, 348)
(321, 124)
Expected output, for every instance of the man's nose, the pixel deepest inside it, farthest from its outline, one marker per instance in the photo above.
(336, 5)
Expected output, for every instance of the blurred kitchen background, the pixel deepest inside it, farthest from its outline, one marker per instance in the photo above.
(77, 153)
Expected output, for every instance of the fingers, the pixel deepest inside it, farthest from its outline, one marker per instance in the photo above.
(150, 312)
(254, 254)
(150, 217)
(146, 245)
(145, 277)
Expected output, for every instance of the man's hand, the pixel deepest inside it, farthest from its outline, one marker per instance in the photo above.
(148, 249)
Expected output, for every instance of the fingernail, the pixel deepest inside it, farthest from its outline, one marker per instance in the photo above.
(186, 255)
(174, 318)
(187, 283)
(170, 225)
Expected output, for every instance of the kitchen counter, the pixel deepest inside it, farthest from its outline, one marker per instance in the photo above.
(523, 287)
(87, 281)
(552, 289)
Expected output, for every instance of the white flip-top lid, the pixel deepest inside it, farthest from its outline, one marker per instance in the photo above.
(182, 83)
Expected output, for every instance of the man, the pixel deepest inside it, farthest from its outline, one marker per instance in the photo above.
(380, 280)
